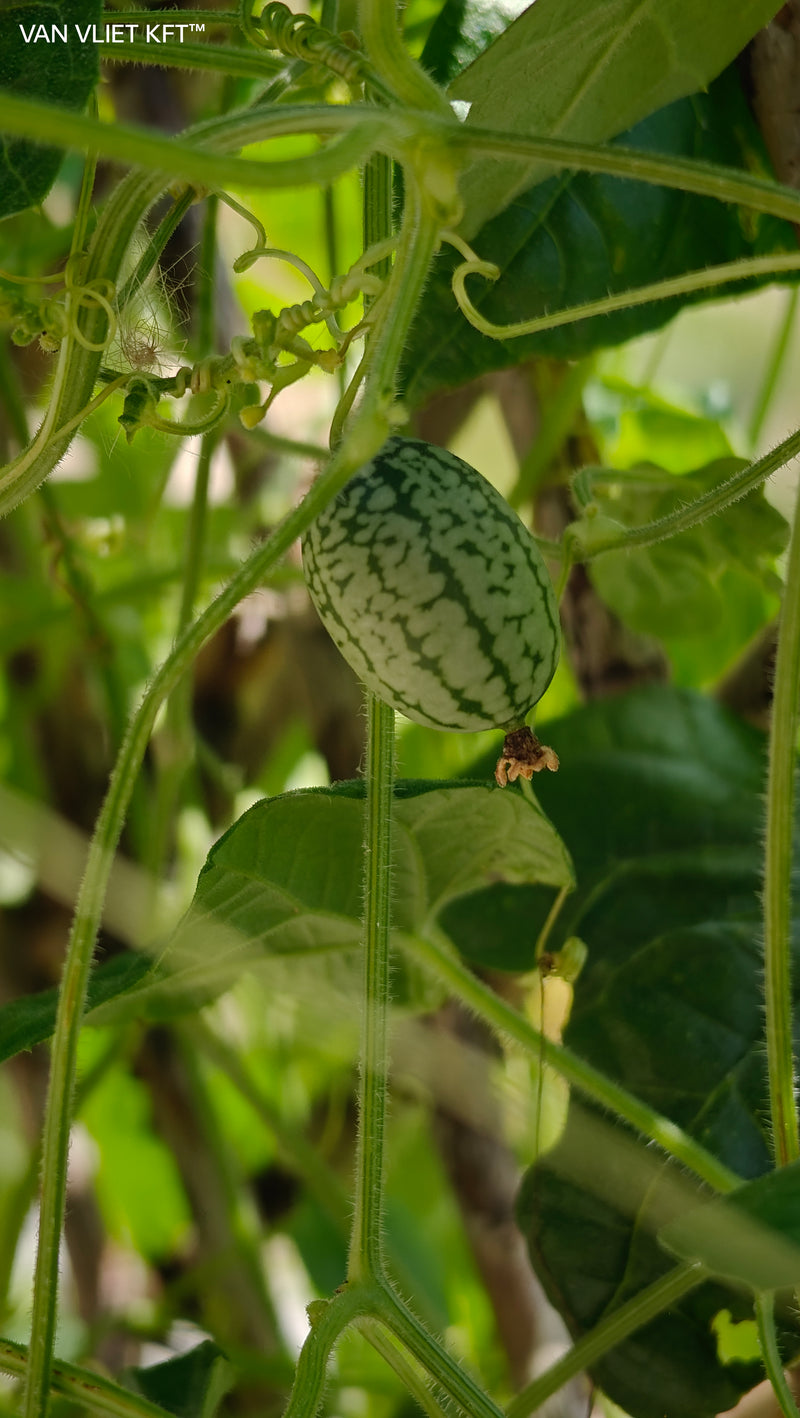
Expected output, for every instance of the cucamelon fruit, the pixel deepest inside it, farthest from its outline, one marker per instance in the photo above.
(434, 590)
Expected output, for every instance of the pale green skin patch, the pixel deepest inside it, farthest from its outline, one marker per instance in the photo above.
(434, 590)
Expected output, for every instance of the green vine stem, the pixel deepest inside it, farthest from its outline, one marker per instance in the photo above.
(329, 1319)
(220, 59)
(384, 44)
(365, 1253)
(178, 735)
(775, 367)
(215, 19)
(196, 156)
(202, 158)
(179, 728)
(441, 961)
(770, 1354)
(687, 284)
(456, 1382)
(558, 413)
(411, 1374)
(416, 245)
(365, 1258)
(608, 1333)
(89, 907)
(705, 179)
(777, 895)
(360, 130)
(84, 1387)
(711, 503)
(156, 243)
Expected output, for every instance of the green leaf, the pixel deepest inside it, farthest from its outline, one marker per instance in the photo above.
(639, 426)
(190, 1385)
(462, 30)
(647, 781)
(29, 1021)
(579, 237)
(674, 588)
(751, 1238)
(36, 62)
(659, 796)
(588, 1213)
(588, 70)
(284, 884)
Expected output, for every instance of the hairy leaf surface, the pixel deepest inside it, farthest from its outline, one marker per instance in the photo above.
(581, 236)
(282, 890)
(590, 1213)
(589, 70)
(659, 797)
(42, 66)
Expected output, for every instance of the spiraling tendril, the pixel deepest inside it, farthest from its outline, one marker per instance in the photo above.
(53, 319)
(300, 37)
(275, 354)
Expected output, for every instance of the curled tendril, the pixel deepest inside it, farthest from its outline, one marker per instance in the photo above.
(92, 295)
(261, 235)
(300, 37)
(249, 27)
(275, 354)
(323, 304)
(140, 410)
(472, 265)
(45, 320)
(358, 280)
(51, 320)
(188, 429)
(57, 278)
(275, 253)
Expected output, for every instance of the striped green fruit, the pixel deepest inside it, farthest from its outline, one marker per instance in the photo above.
(434, 590)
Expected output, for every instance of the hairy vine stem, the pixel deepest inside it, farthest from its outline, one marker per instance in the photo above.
(77, 965)
(770, 1354)
(456, 1382)
(665, 1292)
(442, 963)
(365, 1260)
(390, 58)
(587, 545)
(84, 1387)
(365, 1255)
(777, 896)
(687, 284)
(329, 1319)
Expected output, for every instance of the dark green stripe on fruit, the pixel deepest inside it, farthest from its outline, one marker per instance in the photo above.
(434, 590)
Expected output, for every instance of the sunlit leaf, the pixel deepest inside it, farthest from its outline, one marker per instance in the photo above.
(578, 237)
(673, 588)
(282, 889)
(462, 30)
(589, 69)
